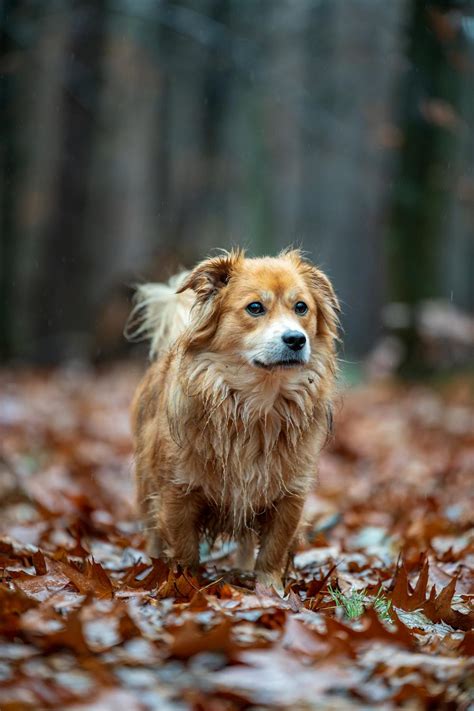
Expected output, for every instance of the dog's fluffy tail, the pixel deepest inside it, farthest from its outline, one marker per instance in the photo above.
(160, 314)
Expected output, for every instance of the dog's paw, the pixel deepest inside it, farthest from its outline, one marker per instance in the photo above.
(270, 580)
(154, 547)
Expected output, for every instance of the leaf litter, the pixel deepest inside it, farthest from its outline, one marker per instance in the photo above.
(378, 606)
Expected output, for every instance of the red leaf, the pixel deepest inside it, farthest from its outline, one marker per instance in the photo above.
(39, 563)
(301, 639)
(13, 603)
(373, 629)
(93, 581)
(467, 645)
(190, 639)
(402, 594)
(70, 637)
(438, 609)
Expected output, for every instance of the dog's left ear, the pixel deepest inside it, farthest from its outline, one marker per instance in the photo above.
(323, 292)
(211, 275)
(327, 301)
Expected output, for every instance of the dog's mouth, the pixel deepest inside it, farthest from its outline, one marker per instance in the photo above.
(287, 363)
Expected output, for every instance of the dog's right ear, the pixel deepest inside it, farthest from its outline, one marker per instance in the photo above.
(211, 275)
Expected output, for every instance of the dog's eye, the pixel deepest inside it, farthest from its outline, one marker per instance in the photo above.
(301, 308)
(256, 308)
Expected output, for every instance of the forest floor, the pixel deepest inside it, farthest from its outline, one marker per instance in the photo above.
(377, 612)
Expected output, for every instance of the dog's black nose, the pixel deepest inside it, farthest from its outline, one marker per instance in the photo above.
(294, 340)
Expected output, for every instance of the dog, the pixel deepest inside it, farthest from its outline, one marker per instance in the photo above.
(235, 407)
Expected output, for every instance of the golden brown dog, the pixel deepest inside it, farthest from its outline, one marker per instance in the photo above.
(233, 411)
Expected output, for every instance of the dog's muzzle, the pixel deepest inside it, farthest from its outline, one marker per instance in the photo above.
(288, 350)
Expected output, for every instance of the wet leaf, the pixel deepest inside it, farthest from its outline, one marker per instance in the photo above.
(92, 580)
(189, 639)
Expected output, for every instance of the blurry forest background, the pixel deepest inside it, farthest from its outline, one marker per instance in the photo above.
(138, 135)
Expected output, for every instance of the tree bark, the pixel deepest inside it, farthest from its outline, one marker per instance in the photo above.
(66, 309)
(421, 194)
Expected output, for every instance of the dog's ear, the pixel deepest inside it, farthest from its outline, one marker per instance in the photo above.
(328, 304)
(211, 275)
(323, 292)
(208, 280)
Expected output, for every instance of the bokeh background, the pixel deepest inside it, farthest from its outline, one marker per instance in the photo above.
(138, 135)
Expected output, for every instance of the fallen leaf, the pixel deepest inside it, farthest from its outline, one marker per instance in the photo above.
(189, 639)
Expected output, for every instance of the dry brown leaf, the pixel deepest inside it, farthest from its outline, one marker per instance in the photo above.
(93, 580)
(190, 639)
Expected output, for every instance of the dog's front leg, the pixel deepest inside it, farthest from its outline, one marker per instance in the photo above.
(277, 536)
(245, 558)
(182, 512)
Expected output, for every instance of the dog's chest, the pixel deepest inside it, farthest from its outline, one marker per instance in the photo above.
(244, 467)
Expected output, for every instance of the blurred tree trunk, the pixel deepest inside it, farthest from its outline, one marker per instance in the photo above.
(8, 169)
(285, 116)
(123, 200)
(352, 68)
(66, 309)
(41, 81)
(191, 39)
(429, 98)
(241, 173)
(457, 253)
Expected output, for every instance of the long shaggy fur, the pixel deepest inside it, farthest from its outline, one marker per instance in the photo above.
(223, 446)
(159, 314)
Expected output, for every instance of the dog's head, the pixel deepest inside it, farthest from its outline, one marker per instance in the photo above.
(268, 313)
